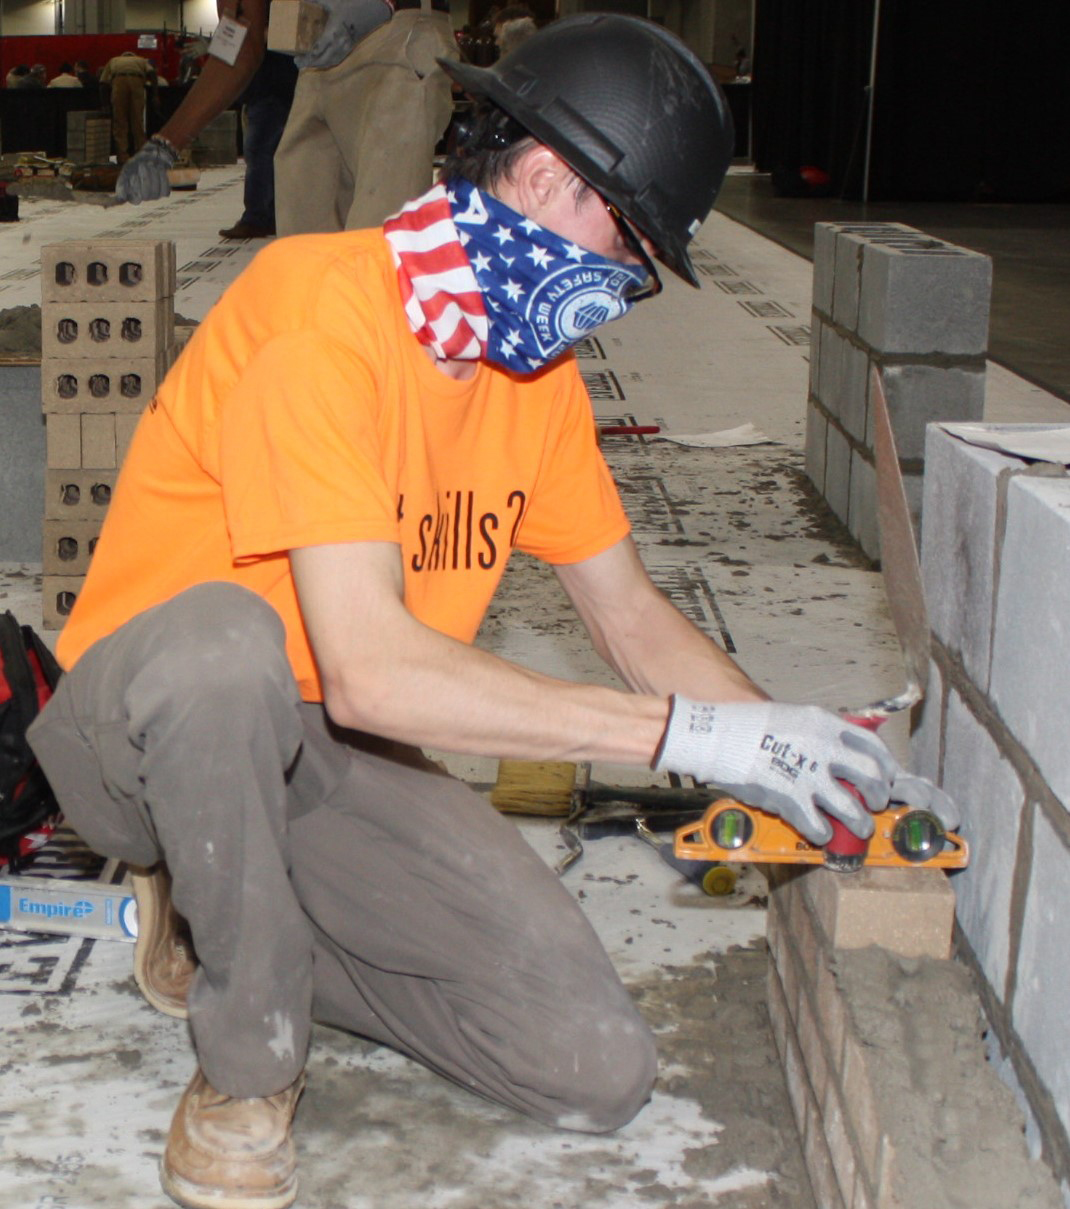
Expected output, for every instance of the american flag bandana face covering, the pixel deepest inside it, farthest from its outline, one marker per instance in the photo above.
(480, 281)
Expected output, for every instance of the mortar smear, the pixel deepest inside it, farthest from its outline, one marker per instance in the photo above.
(957, 1132)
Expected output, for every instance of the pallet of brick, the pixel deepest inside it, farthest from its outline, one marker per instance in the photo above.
(88, 137)
(107, 342)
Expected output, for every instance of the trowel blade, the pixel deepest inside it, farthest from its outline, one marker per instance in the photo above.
(899, 552)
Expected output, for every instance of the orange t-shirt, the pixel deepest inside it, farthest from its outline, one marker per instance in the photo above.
(304, 412)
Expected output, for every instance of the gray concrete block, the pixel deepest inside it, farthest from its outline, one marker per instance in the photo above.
(922, 394)
(854, 390)
(924, 296)
(837, 472)
(824, 266)
(845, 284)
(1041, 1012)
(928, 732)
(1031, 641)
(816, 327)
(816, 436)
(958, 546)
(990, 796)
(22, 463)
(914, 490)
(828, 386)
(862, 505)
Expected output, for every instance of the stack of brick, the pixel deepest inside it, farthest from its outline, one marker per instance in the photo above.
(880, 1036)
(888, 296)
(996, 566)
(88, 137)
(107, 337)
(217, 143)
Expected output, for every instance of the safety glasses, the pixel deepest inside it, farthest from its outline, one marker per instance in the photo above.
(634, 244)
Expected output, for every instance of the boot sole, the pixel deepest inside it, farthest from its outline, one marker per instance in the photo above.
(196, 1196)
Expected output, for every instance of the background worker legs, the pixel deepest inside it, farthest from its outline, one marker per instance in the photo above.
(361, 136)
(127, 115)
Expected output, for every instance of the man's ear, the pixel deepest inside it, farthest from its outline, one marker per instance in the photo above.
(539, 176)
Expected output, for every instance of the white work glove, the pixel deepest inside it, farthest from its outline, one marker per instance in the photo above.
(348, 21)
(789, 760)
(144, 175)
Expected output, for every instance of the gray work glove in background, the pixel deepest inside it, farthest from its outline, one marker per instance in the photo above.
(348, 21)
(789, 760)
(144, 175)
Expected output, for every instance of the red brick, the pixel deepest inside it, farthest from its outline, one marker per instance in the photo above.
(125, 426)
(809, 1031)
(76, 384)
(78, 495)
(779, 1018)
(57, 595)
(98, 441)
(820, 1170)
(107, 330)
(132, 270)
(63, 442)
(859, 1095)
(908, 911)
(841, 1150)
(66, 546)
(831, 1011)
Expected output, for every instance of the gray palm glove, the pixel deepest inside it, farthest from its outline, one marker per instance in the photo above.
(144, 175)
(348, 21)
(789, 760)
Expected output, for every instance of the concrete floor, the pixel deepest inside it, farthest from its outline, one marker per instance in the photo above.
(91, 1073)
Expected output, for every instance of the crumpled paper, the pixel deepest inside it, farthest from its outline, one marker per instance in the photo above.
(727, 438)
(1038, 442)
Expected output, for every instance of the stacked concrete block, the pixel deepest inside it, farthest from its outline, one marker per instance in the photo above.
(886, 296)
(217, 143)
(88, 137)
(996, 565)
(107, 334)
(880, 1038)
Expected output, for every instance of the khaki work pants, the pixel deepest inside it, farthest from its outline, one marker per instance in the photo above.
(360, 139)
(127, 115)
(322, 878)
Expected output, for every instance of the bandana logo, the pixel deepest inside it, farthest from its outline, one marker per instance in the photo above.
(567, 305)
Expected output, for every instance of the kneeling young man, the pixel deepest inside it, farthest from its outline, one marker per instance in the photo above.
(312, 519)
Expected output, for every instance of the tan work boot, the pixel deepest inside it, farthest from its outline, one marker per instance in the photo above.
(224, 1153)
(164, 957)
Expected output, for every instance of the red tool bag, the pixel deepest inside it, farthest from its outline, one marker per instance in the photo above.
(29, 812)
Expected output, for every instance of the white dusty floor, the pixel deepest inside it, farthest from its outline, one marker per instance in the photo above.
(90, 1073)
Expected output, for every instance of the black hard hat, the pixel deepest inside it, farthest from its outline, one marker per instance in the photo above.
(630, 109)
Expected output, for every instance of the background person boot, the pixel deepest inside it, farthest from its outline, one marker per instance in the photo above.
(226, 1153)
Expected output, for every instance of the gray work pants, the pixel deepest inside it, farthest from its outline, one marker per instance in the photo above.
(323, 879)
